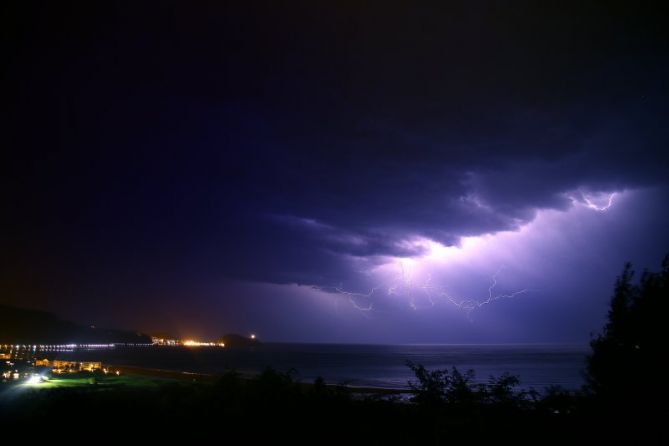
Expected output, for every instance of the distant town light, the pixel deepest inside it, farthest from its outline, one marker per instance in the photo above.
(192, 343)
(253, 336)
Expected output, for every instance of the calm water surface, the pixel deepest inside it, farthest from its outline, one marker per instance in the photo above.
(538, 366)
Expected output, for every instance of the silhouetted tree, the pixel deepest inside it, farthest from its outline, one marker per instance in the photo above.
(430, 388)
(457, 389)
(460, 389)
(501, 391)
(626, 364)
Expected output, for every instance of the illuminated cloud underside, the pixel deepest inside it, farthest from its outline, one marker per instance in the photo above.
(436, 278)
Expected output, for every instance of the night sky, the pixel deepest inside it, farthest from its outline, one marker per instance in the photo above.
(332, 171)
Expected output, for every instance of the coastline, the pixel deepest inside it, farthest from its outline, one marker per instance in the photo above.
(369, 369)
(185, 376)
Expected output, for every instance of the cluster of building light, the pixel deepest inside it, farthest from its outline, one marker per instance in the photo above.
(164, 341)
(190, 342)
(22, 351)
(31, 378)
(59, 366)
(10, 374)
(10, 350)
(48, 346)
(193, 343)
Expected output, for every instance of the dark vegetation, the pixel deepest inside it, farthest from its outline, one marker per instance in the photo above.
(273, 407)
(22, 326)
(624, 400)
(628, 360)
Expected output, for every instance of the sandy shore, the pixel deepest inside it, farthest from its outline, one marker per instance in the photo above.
(211, 378)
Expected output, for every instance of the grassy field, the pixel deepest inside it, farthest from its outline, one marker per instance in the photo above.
(88, 380)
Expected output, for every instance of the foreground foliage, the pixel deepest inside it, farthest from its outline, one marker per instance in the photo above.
(628, 357)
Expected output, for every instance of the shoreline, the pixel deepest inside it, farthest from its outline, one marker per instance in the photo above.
(212, 378)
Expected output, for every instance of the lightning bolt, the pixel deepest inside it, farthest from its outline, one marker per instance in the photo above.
(404, 286)
(353, 298)
(595, 206)
(595, 202)
(469, 305)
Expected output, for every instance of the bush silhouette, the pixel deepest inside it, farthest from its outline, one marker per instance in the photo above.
(630, 351)
(453, 388)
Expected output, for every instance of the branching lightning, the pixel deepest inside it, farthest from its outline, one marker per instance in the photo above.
(470, 305)
(423, 294)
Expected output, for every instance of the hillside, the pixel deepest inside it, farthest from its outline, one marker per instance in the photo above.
(23, 326)
(235, 340)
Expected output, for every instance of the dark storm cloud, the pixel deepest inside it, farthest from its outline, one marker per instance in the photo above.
(173, 135)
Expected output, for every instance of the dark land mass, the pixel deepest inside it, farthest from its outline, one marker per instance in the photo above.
(23, 326)
(235, 340)
(27, 326)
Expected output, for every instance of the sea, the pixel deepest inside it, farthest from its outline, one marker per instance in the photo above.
(382, 366)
